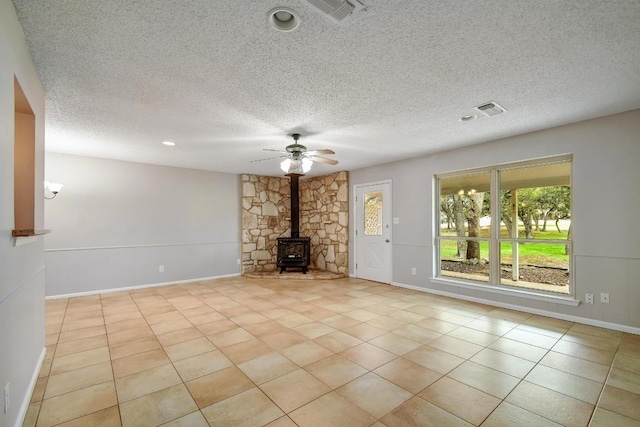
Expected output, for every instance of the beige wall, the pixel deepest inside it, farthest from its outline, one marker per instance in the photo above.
(22, 268)
(606, 241)
(115, 223)
(24, 168)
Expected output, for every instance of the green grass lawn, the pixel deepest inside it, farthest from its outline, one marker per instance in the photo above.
(549, 255)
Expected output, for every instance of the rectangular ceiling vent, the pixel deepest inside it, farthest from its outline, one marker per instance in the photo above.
(337, 9)
(490, 109)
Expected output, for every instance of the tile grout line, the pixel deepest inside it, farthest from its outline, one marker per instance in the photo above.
(236, 298)
(604, 385)
(66, 307)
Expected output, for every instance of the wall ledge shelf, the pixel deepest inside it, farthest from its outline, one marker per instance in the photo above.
(28, 232)
(23, 237)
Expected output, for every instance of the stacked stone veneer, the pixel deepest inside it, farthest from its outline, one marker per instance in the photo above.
(324, 216)
(266, 215)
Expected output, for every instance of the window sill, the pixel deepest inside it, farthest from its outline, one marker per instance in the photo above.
(520, 293)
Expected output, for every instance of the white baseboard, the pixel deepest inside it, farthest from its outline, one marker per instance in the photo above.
(561, 316)
(32, 385)
(130, 288)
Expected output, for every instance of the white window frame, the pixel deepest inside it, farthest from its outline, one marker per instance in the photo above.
(494, 283)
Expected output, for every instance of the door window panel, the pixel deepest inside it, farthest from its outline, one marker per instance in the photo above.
(372, 211)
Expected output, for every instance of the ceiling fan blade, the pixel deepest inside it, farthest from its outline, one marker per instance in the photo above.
(315, 152)
(323, 160)
(277, 151)
(268, 158)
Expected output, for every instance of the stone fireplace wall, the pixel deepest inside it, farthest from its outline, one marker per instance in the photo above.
(324, 216)
(266, 215)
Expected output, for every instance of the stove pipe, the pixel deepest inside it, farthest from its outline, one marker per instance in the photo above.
(295, 205)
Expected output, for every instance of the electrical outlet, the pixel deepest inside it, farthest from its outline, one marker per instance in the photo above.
(238, 261)
(604, 298)
(161, 269)
(6, 398)
(588, 298)
(413, 271)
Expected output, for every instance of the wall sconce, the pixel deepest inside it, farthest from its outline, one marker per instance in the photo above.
(53, 188)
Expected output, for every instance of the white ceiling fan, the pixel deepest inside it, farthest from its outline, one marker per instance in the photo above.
(298, 159)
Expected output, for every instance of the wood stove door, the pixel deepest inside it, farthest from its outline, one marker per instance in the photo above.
(373, 232)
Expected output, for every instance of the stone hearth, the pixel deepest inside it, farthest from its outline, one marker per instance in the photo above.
(295, 275)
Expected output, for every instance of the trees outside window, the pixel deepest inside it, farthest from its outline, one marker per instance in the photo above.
(522, 251)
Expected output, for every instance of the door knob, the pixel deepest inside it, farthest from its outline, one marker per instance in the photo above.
(387, 240)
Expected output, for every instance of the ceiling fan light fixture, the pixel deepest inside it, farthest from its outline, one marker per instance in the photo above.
(298, 160)
(306, 164)
(299, 166)
(284, 165)
(283, 19)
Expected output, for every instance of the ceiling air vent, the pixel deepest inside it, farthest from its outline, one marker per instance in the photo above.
(490, 109)
(337, 9)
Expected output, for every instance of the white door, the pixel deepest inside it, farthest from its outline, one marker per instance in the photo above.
(373, 231)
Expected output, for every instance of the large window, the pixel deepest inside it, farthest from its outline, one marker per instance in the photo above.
(530, 244)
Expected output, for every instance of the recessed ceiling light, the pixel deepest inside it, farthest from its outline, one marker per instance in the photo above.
(283, 19)
(468, 118)
(169, 143)
(283, 16)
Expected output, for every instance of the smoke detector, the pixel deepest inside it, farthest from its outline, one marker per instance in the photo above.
(490, 109)
(337, 9)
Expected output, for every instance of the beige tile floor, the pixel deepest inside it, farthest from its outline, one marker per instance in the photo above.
(240, 351)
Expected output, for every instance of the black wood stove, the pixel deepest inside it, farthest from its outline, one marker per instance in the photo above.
(294, 251)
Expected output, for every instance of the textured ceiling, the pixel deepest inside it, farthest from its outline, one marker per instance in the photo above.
(387, 83)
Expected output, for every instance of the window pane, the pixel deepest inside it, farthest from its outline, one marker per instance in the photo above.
(465, 206)
(373, 213)
(538, 266)
(454, 261)
(540, 200)
(533, 208)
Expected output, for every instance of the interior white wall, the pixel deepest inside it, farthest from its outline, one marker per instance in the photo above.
(605, 207)
(22, 276)
(114, 223)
